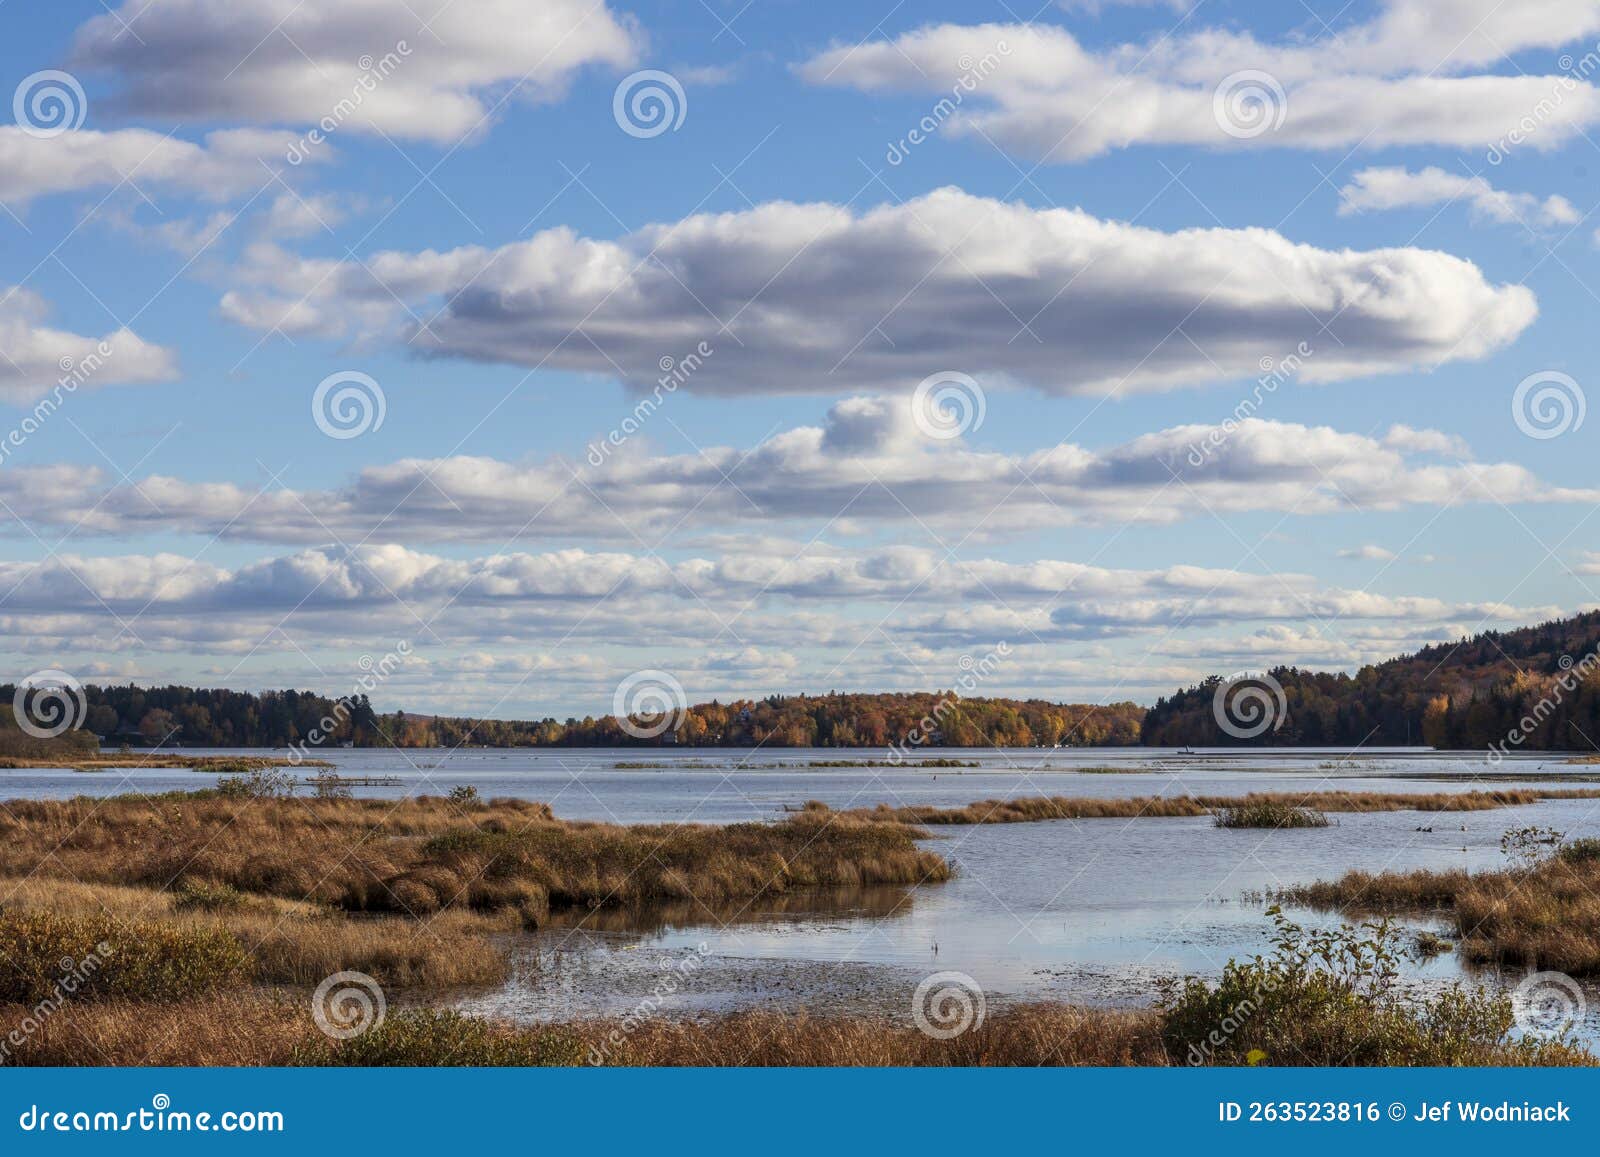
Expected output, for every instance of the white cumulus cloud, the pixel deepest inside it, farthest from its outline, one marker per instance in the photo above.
(817, 298)
(433, 70)
(1399, 188)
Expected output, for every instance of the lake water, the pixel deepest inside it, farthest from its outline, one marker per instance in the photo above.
(1094, 911)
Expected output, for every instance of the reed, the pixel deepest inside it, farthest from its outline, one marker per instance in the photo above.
(1032, 808)
(1542, 917)
(1270, 814)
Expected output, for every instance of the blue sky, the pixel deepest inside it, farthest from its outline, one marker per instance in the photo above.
(484, 241)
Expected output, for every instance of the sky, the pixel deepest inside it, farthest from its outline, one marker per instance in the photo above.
(781, 347)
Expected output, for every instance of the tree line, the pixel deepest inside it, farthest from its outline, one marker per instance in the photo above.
(213, 717)
(1536, 688)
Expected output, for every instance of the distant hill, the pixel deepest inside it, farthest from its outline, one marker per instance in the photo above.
(1474, 693)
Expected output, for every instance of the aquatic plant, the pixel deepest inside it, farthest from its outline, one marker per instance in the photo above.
(1541, 913)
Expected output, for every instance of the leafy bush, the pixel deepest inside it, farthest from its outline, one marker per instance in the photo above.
(327, 785)
(464, 795)
(260, 783)
(1329, 997)
(1525, 847)
(1584, 851)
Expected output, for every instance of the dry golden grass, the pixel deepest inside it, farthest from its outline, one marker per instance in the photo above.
(406, 892)
(1358, 891)
(1028, 1035)
(1548, 918)
(247, 1029)
(1029, 809)
(421, 856)
(292, 942)
(262, 1029)
(1264, 813)
(268, 1030)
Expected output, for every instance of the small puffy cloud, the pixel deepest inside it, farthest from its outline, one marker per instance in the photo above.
(707, 75)
(295, 215)
(1398, 188)
(433, 70)
(187, 236)
(1409, 440)
(35, 358)
(818, 298)
(1369, 553)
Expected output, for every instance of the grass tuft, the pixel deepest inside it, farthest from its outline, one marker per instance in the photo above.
(1270, 814)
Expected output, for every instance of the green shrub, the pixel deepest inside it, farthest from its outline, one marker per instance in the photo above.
(1584, 851)
(44, 956)
(327, 785)
(1525, 847)
(258, 783)
(464, 795)
(1328, 997)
